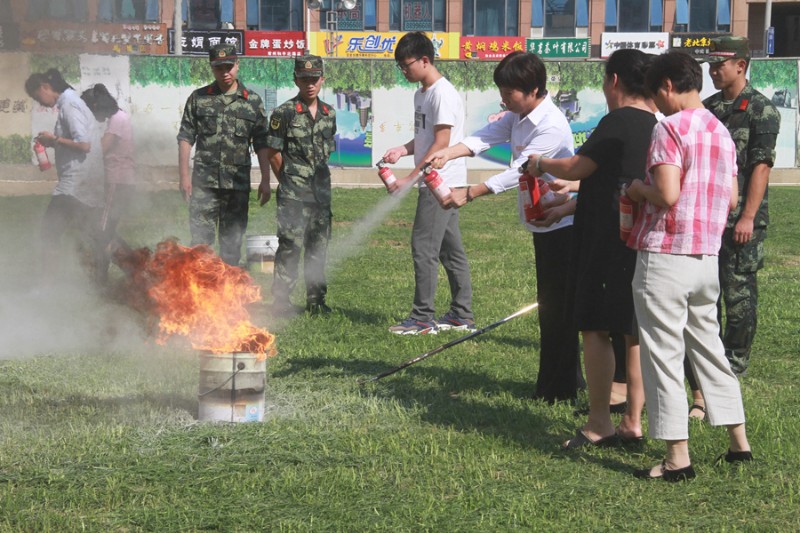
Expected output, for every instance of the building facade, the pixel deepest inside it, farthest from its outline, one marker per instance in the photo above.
(537, 19)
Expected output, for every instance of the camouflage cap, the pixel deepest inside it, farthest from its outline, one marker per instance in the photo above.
(727, 47)
(222, 54)
(308, 67)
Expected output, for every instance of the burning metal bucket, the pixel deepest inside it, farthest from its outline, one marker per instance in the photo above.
(261, 251)
(231, 387)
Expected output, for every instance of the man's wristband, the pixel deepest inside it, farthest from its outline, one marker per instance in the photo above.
(539, 164)
(469, 194)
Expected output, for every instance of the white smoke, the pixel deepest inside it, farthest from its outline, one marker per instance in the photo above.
(60, 312)
(353, 242)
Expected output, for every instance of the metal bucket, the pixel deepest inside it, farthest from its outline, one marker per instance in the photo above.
(231, 387)
(261, 251)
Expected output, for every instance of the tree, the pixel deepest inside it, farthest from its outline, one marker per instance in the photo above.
(774, 73)
(67, 64)
(576, 75)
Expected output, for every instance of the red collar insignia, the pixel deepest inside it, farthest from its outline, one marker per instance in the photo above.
(298, 107)
(743, 105)
(324, 109)
(245, 93)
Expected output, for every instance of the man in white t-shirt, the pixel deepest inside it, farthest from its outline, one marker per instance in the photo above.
(438, 123)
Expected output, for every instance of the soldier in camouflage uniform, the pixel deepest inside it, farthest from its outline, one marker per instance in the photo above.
(223, 119)
(753, 123)
(300, 141)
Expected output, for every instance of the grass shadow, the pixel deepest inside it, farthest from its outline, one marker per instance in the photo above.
(460, 399)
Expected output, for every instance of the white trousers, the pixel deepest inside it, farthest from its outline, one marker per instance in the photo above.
(675, 297)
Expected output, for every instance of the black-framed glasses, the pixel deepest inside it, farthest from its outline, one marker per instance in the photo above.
(405, 66)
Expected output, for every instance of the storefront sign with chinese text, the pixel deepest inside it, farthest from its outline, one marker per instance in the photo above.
(274, 43)
(134, 38)
(649, 43)
(559, 48)
(198, 42)
(375, 45)
(489, 48)
(696, 44)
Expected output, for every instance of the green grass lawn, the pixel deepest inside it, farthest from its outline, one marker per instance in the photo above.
(98, 428)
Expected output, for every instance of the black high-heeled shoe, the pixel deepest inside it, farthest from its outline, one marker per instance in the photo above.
(681, 474)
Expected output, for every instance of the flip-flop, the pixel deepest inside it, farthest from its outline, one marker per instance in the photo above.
(629, 441)
(580, 440)
(615, 408)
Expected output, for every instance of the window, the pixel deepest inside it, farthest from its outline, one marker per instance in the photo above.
(361, 17)
(703, 16)
(560, 17)
(634, 15)
(276, 15)
(57, 10)
(417, 15)
(490, 17)
(127, 10)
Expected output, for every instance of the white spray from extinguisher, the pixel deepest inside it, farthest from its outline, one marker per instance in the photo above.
(41, 156)
(385, 173)
(436, 184)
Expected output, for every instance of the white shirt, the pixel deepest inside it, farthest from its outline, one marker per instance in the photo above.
(439, 105)
(79, 174)
(544, 131)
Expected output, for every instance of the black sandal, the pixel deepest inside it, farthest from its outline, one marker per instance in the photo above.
(629, 441)
(681, 474)
(701, 408)
(580, 440)
(614, 408)
(735, 457)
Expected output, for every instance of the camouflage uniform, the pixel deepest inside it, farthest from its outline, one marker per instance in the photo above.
(753, 123)
(224, 127)
(303, 195)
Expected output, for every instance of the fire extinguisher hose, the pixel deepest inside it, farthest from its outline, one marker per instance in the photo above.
(450, 344)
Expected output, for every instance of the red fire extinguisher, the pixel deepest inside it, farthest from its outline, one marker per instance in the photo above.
(627, 214)
(529, 189)
(436, 184)
(533, 191)
(41, 156)
(385, 173)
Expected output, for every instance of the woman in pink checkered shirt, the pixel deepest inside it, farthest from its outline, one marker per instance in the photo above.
(684, 203)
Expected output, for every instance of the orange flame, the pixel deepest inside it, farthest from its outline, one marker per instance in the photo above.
(198, 296)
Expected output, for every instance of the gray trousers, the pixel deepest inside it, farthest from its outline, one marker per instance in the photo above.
(434, 238)
(676, 305)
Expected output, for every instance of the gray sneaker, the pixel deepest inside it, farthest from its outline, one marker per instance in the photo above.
(450, 321)
(411, 326)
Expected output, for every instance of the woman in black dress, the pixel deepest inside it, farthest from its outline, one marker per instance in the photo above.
(602, 265)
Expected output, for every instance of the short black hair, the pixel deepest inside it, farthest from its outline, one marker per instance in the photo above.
(100, 101)
(414, 45)
(52, 77)
(630, 66)
(523, 71)
(679, 67)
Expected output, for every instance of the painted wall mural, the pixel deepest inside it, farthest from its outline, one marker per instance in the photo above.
(373, 100)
